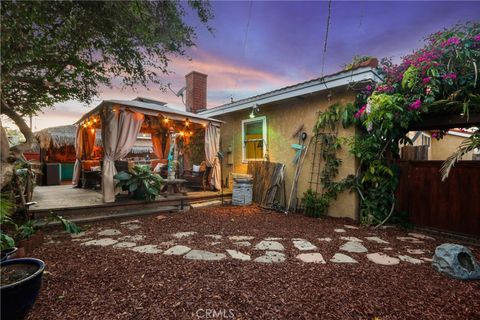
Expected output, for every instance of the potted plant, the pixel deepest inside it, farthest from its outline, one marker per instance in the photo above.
(140, 182)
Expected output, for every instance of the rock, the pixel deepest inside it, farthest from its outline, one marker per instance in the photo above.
(177, 251)
(204, 255)
(313, 257)
(376, 239)
(132, 226)
(410, 239)
(160, 217)
(415, 251)
(325, 239)
(351, 239)
(349, 226)
(242, 243)
(303, 245)
(124, 244)
(78, 235)
(109, 232)
(149, 248)
(101, 242)
(240, 238)
(273, 239)
(388, 248)
(410, 259)
(130, 222)
(214, 243)
(180, 235)
(353, 246)
(134, 238)
(269, 245)
(214, 236)
(271, 257)
(342, 258)
(339, 230)
(456, 261)
(420, 236)
(238, 255)
(382, 258)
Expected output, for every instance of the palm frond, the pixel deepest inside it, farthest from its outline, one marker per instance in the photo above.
(465, 147)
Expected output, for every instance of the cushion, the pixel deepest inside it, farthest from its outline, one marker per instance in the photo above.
(196, 168)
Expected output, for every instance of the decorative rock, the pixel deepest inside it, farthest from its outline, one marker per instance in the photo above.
(214, 243)
(124, 244)
(351, 239)
(410, 259)
(325, 239)
(382, 258)
(238, 255)
(271, 257)
(415, 251)
(204, 255)
(339, 230)
(177, 251)
(353, 246)
(130, 222)
(349, 226)
(180, 235)
(78, 240)
(160, 217)
(420, 236)
(342, 258)
(109, 232)
(134, 238)
(456, 261)
(214, 236)
(101, 242)
(269, 245)
(303, 245)
(240, 238)
(377, 240)
(314, 257)
(149, 248)
(427, 259)
(242, 243)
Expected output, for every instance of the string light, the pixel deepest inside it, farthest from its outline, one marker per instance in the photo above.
(186, 122)
(165, 120)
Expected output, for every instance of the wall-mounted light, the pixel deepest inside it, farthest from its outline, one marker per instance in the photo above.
(255, 109)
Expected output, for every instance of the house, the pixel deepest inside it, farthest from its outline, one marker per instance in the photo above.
(263, 127)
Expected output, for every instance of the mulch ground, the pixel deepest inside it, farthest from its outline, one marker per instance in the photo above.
(90, 282)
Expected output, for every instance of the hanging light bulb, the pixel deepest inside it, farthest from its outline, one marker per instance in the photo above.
(187, 122)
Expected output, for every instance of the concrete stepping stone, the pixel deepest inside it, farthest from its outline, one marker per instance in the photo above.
(134, 238)
(420, 236)
(415, 251)
(351, 239)
(270, 245)
(388, 249)
(214, 243)
(133, 226)
(304, 245)
(242, 243)
(313, 257)
(410, 260)
(382, 259)
(130, 222)
(273, 239)
(177, 251)
(241, 238)
(149, 248)
(427, 259)
(100, 242)
(238, 255)
(214, 236)
(271, 257)
(410, 239)
(377, 240)
(340, 230)
(124, 244)
(350, 226)
(353, 246)
(180, 235)
(325, 239)
(204, 255)
(109, 232)
(78, 235)
(342, 258)
(76, 240)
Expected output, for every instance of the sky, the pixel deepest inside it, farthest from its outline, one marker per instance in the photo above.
(261, 46)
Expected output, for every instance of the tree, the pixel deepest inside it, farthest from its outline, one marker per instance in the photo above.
(58, 51)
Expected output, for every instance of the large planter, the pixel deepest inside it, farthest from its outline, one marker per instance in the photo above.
(8, 253)
(21, 281)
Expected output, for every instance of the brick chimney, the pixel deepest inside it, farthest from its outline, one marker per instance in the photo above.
(196, 97)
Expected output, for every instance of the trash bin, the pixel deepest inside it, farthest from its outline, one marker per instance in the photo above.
(53, 174)
(242, 189)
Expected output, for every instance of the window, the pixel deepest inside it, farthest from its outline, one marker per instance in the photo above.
(254, 136)
(426, 140)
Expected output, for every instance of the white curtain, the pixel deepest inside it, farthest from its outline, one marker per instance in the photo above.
(212, 147)
(77, 168)
(120, 129)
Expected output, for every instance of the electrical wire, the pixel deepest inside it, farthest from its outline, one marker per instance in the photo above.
(326, 37)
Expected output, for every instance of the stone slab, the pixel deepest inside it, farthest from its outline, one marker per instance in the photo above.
(149, 248)
(351, 239)
(238, 255)
(313, 257)
(204, 255)
(410, 260)
(180, 235)
(340, 230)
(271, 257)
(304, 245)
(354, 246)
(342, 258)
(124, 244)
(241, 238)
(270, 245)
(100, 242)
(110, 232)
(177, 250)
(377, 240)
(382, 259)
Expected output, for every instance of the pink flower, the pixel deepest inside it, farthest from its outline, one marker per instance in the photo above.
(426, 80)
(477, 37)
(453, 40)
(360, 112)
(416, 104)
(369, 88)
(428, 90)
(452, 76)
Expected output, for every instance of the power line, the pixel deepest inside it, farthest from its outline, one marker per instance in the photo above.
(326, 36)
(247, 28)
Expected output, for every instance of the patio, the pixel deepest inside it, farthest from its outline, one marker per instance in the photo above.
(250, 263)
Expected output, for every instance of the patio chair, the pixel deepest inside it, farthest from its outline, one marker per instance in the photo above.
(198, 179)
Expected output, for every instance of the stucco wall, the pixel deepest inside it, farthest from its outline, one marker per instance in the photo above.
(283, 119)
(443, 148)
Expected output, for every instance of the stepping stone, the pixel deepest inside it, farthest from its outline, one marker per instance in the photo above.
(273, 239)
(350, 226)
(133, 226)
(130, 222)
(101, 242)
(242, 243)
(339, 230)
(270, 245)
(180, 235)
(420, 236)
(214, 243)
(238, 255)
(134, 238)
(427, 259)
(410, 239)
(304, 245)
(177, 251)
(388, 249)
(353, 246)
(109, 232)
(325, 239)
(240, 238)
(78, 240)
(382, 258)
(415, 251)
(410, 259)
(377, 240)
(214, 236)
(351, 239)
(149, 248)
(160, 217)
(204, 255)
(124, 244)
(271, 257)
(314, 257)
(342, 258)
(78, 235)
